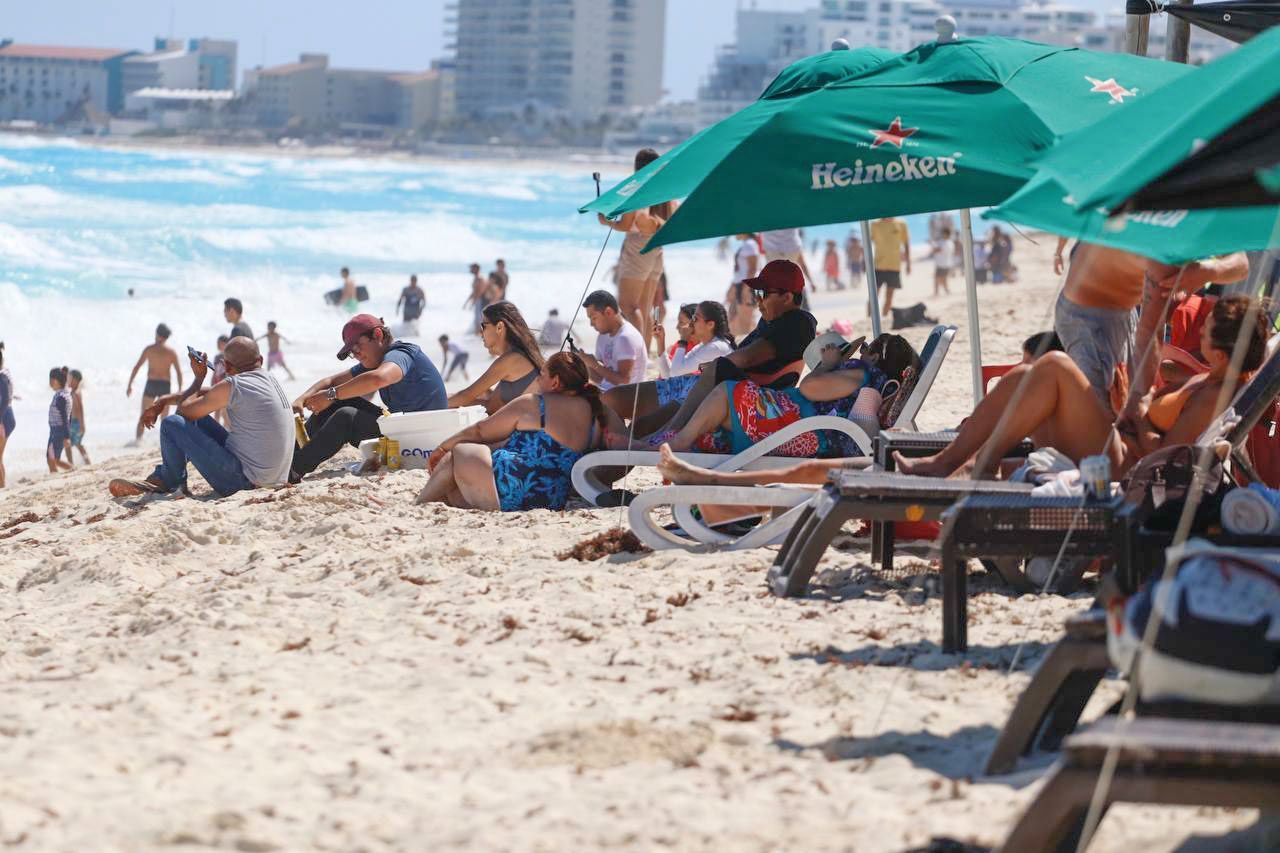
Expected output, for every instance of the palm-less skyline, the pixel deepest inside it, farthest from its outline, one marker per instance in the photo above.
(386, 34)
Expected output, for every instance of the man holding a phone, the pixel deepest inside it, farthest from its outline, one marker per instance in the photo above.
(256, 452)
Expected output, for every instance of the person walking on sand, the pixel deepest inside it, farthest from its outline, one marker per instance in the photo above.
(349, 298)
(160, 359)
(475, 301)
(255, 452)
(891, 245)
(739, 301)
(831, 267)
(75, 380)
(638, 274)
(460, 356)
(503, 279)
(413, 299)
(857, 258)
(944, 254)
(233, 311)
(59, 422)
(7, 422)
(275, 356)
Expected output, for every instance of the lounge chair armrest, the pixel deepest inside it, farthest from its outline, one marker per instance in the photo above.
(793, 430)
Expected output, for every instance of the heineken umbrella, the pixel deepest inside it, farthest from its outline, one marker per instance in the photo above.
(1170, 236)
(948, 125)
(1108, 162)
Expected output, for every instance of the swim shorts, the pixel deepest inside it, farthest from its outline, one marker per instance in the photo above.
(77, 432)
(275, 359)
(156, 388)
(891, 279)
(1098, 340)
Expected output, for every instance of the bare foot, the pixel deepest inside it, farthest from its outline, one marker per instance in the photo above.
(680, 472)
(923, 466)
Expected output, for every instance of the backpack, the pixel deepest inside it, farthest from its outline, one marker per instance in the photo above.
(1218, 638)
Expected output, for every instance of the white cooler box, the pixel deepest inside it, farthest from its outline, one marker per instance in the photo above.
(420, 432)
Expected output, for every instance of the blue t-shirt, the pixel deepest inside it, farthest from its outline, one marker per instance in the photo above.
(420, 390)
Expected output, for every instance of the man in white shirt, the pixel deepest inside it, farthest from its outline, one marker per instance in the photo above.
(620, 357)
(786, 244)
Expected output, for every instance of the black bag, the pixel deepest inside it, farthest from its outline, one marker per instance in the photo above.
(905, 318)
(1168, 475)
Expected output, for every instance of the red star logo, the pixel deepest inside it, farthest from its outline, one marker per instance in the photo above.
(1110, 87)
(896, 134)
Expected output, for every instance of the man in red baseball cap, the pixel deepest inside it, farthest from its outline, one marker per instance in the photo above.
(772, 354)
(399, 371)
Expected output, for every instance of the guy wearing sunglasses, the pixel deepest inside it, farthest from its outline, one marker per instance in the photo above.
(777, 342)
(399, 371)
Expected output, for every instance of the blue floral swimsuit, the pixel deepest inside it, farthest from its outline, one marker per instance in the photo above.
(532, 471)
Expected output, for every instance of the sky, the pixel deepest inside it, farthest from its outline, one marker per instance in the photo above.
(386, 34)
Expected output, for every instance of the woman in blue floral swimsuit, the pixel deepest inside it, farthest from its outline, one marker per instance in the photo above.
(521, 456)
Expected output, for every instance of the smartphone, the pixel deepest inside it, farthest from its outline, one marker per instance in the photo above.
(198, 356)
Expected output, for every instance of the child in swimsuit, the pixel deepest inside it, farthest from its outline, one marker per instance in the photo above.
(77, 414)
(59, 422)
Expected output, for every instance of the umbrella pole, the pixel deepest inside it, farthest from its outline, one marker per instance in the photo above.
(873, 298)
(971, 292)
(1136, 28)
(1178, 39)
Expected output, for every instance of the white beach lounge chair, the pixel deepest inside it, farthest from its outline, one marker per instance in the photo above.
(693, 533)
(756, 457)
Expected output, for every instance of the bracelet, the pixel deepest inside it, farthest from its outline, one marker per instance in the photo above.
(331, 393)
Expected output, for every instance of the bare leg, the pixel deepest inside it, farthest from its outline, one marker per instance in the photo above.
(634, 307)
(625, 401)
(704, 386)
(473, 472)
(809, 472)
(712, 412)
(888, 301)
(647, 299)
(84, 454)
(146, 404)
(4, 439)
(1053, 400)
(441, 485)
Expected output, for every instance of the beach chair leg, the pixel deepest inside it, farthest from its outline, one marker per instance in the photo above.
(1050, 706)
(885, 554)
(877, 535)
(955, 593)
(1055, 818)
(790, 574)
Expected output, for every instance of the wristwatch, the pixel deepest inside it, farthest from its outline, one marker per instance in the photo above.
(331, 393)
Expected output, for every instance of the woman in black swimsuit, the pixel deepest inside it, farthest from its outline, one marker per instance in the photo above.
(517, 360)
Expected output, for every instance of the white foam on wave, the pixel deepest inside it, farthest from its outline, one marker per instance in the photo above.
(159, 176)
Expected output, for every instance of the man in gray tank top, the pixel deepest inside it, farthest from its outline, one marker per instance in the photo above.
(255, 452)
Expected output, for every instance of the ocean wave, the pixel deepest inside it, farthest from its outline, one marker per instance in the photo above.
(159, 176)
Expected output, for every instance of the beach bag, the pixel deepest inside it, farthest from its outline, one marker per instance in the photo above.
(1218, 636)
(912, 315)
(896, 400)
(1163, 480)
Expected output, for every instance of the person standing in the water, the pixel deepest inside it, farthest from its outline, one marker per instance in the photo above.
(160, 359)
(7, 421)
(349, 293)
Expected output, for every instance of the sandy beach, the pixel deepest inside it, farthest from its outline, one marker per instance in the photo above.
(332, 667)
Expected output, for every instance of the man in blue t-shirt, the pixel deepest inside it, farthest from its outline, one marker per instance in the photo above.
(399, 371)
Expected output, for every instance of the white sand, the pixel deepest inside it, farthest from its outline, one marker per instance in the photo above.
(331, 667)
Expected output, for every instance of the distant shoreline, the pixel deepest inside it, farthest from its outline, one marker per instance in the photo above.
(480, 155)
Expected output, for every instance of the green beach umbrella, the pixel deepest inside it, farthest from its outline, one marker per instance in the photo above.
(1170, 236)
(1224, 111)
(948, 125)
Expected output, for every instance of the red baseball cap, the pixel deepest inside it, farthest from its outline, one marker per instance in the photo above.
(781, 275)
(361, 324)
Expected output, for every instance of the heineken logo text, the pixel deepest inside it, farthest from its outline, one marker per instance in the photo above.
(905, 168)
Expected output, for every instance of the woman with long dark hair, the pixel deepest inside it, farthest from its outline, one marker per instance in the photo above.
(638, 274)
(521, 457)
(709, 339)
(7, 422)
(517, 360)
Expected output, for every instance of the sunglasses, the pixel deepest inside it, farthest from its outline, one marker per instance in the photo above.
(761, 294)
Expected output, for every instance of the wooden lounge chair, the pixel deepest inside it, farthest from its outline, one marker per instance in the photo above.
(1165, 761)
(586, 472)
